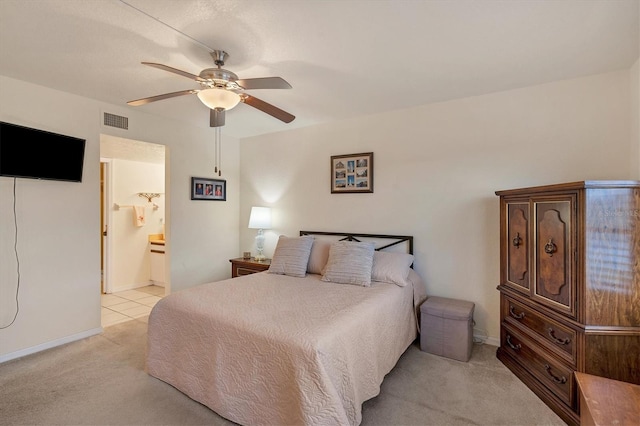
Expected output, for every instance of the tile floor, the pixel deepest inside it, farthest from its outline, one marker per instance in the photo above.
(129, 304)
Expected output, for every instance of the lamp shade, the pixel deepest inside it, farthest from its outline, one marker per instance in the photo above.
(260, 218)
(219, 98)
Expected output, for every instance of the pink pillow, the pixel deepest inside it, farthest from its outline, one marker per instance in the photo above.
(319, 256)
(390, 267)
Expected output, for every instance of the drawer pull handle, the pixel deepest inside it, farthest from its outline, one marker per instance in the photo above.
(513, 314)
(550, 248)
(517, 241)
(562, 380)
(511, 345)
(564, 341)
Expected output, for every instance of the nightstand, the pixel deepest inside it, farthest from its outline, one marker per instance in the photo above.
(240, 266)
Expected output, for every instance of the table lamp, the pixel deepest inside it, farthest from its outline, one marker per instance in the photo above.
(260, 219)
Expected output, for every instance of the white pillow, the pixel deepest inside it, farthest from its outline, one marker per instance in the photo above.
(319, 256)
(390, 267)
(350, 262)
(291, 256)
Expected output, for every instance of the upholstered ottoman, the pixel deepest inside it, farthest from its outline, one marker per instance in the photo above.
(446, 327)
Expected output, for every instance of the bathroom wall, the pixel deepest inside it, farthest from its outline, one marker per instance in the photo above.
(129, 266)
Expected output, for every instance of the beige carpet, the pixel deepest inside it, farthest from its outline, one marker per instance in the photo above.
(100, 380)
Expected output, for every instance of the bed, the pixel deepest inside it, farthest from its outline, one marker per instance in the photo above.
(287, 346)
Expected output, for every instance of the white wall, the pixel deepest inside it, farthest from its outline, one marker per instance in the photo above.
(59, 222)
(436, 169)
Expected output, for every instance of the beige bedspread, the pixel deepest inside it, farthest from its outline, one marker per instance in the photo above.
(268, 349)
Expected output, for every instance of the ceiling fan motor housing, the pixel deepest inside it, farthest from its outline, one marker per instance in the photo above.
(221, 74)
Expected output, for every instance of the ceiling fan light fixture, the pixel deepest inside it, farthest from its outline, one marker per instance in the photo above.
(218, 98)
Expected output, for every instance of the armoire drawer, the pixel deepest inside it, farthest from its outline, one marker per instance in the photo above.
(551, 372)
(559, 338)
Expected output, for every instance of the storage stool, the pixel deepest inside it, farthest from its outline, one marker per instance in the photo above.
(446, 327)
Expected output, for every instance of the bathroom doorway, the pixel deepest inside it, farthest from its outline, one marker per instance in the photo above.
(128, 169)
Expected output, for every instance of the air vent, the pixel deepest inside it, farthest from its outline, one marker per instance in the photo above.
(118, 121)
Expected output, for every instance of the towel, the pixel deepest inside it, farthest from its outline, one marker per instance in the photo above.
(138, 215)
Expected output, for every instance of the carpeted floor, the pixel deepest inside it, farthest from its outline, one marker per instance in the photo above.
(101, 380)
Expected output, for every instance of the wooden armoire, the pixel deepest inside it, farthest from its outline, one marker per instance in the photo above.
(570, 286)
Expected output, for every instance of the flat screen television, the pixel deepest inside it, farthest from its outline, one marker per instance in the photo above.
(38, 154)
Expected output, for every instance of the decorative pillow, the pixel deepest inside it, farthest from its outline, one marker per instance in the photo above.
(291, 256)
(349, 262)
(390, 267)
(319, 256)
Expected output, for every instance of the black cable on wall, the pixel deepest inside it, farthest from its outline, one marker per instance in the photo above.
(15, 249)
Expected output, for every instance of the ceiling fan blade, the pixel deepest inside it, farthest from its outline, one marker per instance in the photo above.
(267, 108)
(174, 70)
(263, 83)
(144, 101)
(216, 117)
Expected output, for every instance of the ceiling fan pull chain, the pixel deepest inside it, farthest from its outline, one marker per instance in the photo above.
(219, 153)
(215, 148)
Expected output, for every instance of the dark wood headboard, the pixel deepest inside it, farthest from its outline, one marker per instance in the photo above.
(382, 241)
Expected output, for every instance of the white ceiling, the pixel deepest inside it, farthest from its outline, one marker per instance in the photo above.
(343, 58)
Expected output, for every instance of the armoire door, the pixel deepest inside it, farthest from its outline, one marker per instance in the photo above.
(518, 246)
(555, 279)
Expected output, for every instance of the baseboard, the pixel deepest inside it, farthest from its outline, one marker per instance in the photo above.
(49, 345)
(481, 337)
(132, 286)
(493, 341)
(484, 340)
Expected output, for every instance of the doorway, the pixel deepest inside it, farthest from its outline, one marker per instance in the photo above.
(127, 169)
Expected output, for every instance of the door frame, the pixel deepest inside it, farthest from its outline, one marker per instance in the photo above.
(106, 241)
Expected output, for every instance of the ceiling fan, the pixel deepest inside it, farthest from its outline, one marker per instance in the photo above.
(221, 90)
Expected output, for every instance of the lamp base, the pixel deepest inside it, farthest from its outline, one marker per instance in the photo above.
(260, 246)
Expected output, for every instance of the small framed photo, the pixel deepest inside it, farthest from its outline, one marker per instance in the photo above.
(352, 173)
(208, 189)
